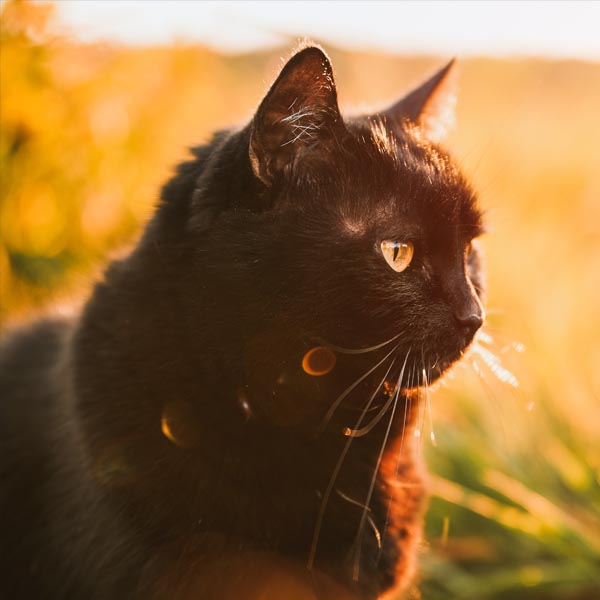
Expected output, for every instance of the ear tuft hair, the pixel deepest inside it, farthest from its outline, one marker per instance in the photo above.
(298, 115)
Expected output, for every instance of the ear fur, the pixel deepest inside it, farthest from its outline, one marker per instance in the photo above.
(298, 116)
(430, 106)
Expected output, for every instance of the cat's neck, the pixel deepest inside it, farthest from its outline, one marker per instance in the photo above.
(127, 382)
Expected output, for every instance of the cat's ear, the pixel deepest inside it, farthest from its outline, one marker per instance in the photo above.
(430, 106)
(298, 118)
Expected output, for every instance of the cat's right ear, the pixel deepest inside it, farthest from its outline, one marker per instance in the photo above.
(299, 117)
(430, 106)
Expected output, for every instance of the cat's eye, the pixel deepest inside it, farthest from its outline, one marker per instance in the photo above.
(397, 254)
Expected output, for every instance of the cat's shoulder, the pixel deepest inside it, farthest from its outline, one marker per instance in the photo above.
(32, 345)
(32, 360)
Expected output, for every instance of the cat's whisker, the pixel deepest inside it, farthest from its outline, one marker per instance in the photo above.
(351, 500)
(336, 470)
(485, 353)
(493, 363)
(428, 406)
(418, 431)
(425, 408)
(490, 393)
(495, 367)
(376, 532)
(343, 350)
(492, 336)
(404, 424)
(508, 346)
(408, 406)
(367, 428)
(513, 346)
(407, 409)
(421, 406)
(484, 337)
(349, 389)
(374, 527)
(356, 569)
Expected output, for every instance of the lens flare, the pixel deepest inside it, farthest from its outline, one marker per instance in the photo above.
(178, 425)
(319, 361)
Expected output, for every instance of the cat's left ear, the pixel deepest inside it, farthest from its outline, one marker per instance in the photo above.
(430, 106)
(299, 117)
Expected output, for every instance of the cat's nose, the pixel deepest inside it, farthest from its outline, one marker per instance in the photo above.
(470, 322)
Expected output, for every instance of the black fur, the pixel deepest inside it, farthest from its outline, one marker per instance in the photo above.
(258, 251)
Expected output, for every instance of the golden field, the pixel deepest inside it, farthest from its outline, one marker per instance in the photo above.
(89, 134)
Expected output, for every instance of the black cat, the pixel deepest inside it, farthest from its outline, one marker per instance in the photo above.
(232, 414)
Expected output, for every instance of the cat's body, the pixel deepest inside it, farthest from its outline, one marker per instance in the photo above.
(171, 441)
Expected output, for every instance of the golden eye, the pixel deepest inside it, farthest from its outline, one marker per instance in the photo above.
(397, 254)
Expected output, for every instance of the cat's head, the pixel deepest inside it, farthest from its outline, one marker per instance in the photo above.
(347, 233)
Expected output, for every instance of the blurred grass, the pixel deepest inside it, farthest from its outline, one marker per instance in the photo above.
(89, 133)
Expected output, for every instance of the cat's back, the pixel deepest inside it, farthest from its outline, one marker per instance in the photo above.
(31, 375)
(32, 395)
(32, 398)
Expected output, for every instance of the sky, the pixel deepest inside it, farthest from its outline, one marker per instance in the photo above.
(563, 29)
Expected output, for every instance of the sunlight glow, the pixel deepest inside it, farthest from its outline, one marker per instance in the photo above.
(559, 29)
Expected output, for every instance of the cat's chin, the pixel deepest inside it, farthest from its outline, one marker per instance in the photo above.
(425, 377)
(441, 366)
(434, 374)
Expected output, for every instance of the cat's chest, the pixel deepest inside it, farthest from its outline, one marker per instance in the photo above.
(248, 575)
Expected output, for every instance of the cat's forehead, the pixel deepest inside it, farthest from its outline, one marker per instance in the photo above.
(405, 179)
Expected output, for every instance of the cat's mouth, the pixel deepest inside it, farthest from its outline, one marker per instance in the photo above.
(429, 375)
(423, 370)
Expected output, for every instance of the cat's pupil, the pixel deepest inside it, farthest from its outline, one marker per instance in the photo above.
(398, 255)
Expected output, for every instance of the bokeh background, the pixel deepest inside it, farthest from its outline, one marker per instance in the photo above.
(93, 121)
